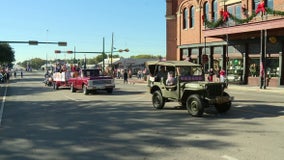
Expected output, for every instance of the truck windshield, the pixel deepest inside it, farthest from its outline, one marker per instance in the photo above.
(91, 73)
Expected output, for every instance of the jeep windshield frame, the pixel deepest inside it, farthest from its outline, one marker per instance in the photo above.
(192, 69)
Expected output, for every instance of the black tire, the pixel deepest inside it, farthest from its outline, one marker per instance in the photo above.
(72, 88)
(55, 86)
(157, 100)
(223, 108)
(85, 90)
(109, 90)
(194, 105)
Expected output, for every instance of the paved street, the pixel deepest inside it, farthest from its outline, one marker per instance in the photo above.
(39, 123)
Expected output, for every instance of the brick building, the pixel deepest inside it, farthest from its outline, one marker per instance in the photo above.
(245, 37)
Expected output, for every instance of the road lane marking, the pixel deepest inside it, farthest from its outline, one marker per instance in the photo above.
(73, 99)
(229, 157)
(239, 106)
(3, 104)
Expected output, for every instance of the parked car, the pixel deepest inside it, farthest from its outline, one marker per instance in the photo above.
(191, 90)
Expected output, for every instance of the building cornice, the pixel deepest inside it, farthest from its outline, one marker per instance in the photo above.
(170, 17)
(208, 44)
(249, 27)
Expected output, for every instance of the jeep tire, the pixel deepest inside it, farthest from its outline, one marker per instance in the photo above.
(72, 88)
(109, 90)
(194, 105)
(55, 86)
(223, 108)
(157, 100)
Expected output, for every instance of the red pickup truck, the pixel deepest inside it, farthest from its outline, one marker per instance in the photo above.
(91, 80)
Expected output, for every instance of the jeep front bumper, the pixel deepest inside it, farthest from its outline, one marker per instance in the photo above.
(220, 100)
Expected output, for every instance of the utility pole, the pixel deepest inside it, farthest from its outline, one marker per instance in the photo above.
(103, 54)
(111, 51)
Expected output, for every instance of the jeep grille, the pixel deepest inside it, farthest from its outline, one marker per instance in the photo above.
(214, 90)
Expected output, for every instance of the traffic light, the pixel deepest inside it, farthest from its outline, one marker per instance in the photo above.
(123, 50)
(69, 52)
(33, 42)
(57, 51)
(62, 43)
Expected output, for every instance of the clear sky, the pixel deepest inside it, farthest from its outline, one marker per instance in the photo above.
(139, 25)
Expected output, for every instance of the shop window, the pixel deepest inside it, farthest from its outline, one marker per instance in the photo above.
(254, 67)
(272, 67)
(185, 18)
(235, 70)
(192, 15)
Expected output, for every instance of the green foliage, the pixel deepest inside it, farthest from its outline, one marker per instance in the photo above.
(274, 12)
(238, 20)
(35, 63)
(7, 55)
(209, 24)
(145, 56)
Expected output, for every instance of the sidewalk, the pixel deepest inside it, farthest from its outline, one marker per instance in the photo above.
(256, 88)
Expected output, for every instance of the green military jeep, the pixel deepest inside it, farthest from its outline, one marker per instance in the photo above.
(190, 88)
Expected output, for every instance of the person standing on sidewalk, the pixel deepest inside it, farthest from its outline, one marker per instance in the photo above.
(210, 75)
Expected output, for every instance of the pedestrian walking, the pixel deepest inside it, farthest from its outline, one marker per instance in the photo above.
(15, 74)
(125, 77)
(22, 74)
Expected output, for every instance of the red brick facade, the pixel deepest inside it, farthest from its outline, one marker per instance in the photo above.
(244, 48)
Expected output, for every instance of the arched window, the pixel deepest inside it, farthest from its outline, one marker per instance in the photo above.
(206, 11)
(192, 16)
(268, 3)
(215, 10)
(255, 3)
(185, 18)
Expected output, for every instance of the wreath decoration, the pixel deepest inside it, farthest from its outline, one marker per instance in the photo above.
(225, 15)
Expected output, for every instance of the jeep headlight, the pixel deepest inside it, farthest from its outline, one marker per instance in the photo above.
(206, 86)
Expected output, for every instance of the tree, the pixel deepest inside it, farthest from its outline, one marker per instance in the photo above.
(7, 55)
(35, 63)
(146, 56)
